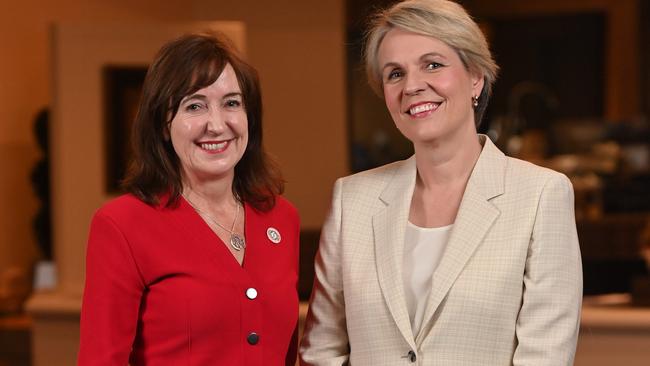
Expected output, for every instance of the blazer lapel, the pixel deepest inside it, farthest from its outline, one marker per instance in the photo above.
(389, 226)
(475, 217)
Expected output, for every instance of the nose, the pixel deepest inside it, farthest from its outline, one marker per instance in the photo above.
(215, 122)
(414, 84)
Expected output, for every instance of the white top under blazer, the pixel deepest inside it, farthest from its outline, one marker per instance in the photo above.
(423, 248)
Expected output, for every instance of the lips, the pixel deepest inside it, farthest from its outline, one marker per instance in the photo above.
(214, 146)
(422, 109)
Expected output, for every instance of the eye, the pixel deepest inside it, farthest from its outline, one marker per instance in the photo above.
(433, 65)
(233, 103)
(394, 74)
(193, 107)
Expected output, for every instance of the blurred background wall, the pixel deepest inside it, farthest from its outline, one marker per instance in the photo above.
(573, 94)
(297, 46)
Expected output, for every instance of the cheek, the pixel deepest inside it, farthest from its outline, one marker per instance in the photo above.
(391, 98)
(241, 127)
(182, 133)
(182, 128)
(459, 84)
(447, 86)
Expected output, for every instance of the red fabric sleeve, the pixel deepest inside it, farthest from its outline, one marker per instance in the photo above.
(111, 300)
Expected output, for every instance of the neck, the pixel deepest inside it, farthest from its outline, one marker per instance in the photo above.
(442, 163)
(210, 196)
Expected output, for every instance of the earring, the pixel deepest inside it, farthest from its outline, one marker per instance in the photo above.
(475, 101)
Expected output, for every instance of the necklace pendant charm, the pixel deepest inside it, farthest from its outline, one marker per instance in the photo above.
(237, 242)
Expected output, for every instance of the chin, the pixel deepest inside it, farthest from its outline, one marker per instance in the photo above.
(214, 172)
(423, 136)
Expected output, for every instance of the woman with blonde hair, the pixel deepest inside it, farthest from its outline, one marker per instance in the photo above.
(458, 255)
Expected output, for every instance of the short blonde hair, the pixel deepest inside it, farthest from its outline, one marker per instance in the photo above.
(444, 20)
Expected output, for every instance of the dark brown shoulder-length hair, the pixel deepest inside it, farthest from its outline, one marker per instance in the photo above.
(180, 68)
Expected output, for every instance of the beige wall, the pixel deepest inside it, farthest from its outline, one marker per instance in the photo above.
(296, 45)
(25, 88)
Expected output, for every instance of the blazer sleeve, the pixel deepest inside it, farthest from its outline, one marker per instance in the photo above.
(325, 339)
(111, 300)
(549, 319)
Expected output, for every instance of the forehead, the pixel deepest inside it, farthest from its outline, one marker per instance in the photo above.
(226, 82)
(401, 46)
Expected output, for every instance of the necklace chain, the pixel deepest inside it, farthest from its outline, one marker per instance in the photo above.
(237, 242)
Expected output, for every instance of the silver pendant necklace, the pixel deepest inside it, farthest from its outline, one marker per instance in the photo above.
(237, 242)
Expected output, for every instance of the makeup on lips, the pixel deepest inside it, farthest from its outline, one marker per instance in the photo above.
(422, 109)
(214, 147)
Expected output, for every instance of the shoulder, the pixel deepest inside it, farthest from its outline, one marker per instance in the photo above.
(381, 174)
(284, 206)
(373, 180)
(283, 217)
(125, 209)
(528, 173)
(283, 209)
(494, 165)
(527, 182)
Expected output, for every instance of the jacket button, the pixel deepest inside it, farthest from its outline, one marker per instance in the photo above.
(251, 293)
(253, 338)
(412, 357)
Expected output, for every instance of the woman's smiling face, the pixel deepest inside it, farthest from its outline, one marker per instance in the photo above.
(210, 130)
(427, 88)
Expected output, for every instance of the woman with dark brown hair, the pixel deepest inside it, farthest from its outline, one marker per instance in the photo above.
(198, 263)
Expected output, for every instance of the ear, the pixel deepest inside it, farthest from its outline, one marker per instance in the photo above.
(478, 80)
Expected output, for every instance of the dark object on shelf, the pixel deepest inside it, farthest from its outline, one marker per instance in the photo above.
(40, 178)
(611, 276)
(627, 194)
(15, 341)
(611, 256)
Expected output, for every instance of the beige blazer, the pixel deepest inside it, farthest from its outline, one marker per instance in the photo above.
(507, 291)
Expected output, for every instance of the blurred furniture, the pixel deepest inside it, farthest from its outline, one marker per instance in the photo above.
(611, 255)
(613, 332)
(15, 340)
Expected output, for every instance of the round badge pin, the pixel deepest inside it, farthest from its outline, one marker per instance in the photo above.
(274, 235)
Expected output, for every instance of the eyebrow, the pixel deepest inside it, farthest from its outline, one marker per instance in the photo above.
(193, 96)
(390, 64)
(426, 55)
(432, 54)
(203, 97)
(233, 94)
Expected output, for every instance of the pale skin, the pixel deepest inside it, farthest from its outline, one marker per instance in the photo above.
(209, 134)
(428, 92)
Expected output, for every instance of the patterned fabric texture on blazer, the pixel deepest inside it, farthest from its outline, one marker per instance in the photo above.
(507, 291)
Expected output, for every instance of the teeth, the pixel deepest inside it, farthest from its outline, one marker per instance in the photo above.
(218, 146)
(422, 108)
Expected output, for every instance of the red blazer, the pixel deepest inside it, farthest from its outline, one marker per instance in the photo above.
(162, 289)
